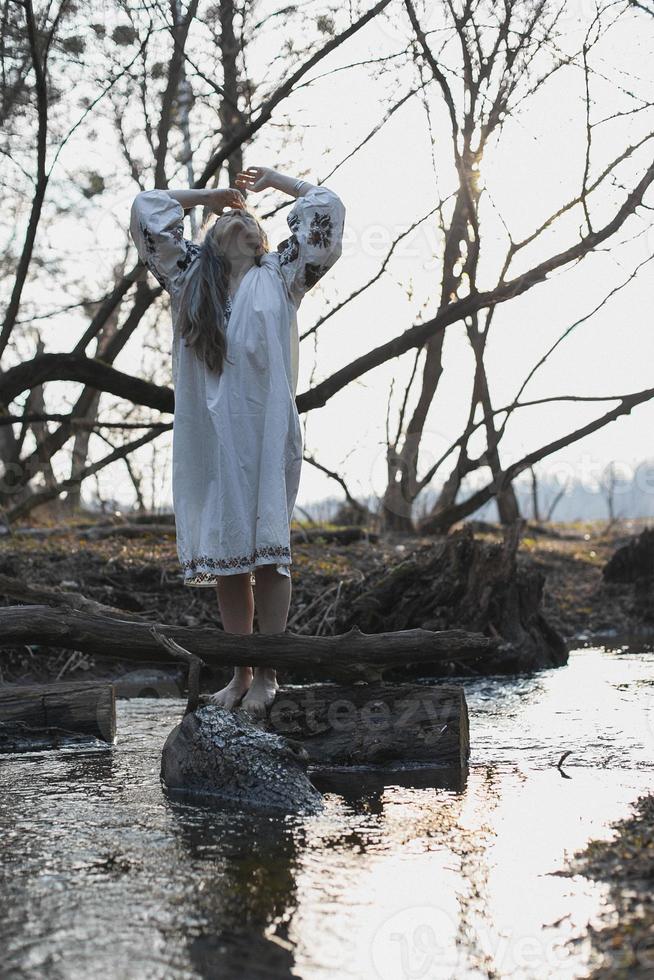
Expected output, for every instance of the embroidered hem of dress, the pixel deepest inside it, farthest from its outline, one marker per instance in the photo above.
(281, 551)
(199, 577)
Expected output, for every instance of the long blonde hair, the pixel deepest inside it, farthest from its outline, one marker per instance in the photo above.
(203, 298)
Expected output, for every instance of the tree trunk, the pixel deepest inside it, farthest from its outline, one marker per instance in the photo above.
(506, 500)
(232, 119)
(35, 403)
(535, 503)
(83, 436)
(396, 509)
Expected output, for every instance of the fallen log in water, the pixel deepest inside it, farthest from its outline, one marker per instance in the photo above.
(43, 716)
(350, 656)
(352, 783)
(379, 724)
(335, 732)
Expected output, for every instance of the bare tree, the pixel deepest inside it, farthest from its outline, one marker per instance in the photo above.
(166, 81)
(610, 484)
(535, 504)
(503, 55)
(174, 100)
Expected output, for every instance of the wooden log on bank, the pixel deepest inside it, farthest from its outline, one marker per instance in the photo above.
(49, 595)
(46, 716)
(335, 535)
(351, 656)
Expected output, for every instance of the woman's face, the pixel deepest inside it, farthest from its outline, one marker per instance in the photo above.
(237, 233)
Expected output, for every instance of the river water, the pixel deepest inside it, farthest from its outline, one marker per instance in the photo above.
(103, 876)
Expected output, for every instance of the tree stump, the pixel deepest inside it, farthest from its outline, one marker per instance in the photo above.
(633, 561)
(222, 757)
(460, 581)
(630, 570)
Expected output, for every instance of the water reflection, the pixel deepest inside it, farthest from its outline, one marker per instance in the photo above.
(243, 873)
(102, 875)
(364, 790)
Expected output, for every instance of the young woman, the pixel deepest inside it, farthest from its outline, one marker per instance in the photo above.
(237, 441)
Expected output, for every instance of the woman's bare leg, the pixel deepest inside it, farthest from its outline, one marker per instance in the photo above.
(273, 599)
(236, 605)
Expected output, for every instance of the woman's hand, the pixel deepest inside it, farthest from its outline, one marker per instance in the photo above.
(256, 178)
(218, 200)
(259, 178)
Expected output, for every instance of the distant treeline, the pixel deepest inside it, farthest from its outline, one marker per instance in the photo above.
(620, 492)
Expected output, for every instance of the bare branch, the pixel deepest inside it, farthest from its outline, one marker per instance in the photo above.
(339, 479)
(474, 502)
(417, 335)
(282, 92)
(42, 496)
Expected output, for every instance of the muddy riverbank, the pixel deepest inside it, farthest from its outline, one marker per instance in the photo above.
(623, 938)
(142, 575)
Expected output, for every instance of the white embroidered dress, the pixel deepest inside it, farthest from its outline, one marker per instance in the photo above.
(237, 440)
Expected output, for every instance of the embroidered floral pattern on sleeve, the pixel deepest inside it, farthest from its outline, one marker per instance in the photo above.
(312, 273)
(288, 250)
(320, 235)
(191, 251)
(320, 230)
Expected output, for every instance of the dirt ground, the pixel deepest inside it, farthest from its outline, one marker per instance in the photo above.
(142, 575)
(626, 943)
(576, 601)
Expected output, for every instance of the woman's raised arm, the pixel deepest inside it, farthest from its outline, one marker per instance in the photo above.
(157, 227)
(259, 178)
(316, 222)
(216, 199)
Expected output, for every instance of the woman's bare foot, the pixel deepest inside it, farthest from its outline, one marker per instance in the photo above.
(229, 696)
(261, 692)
